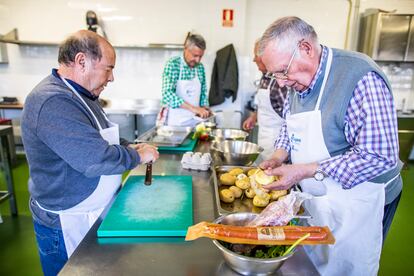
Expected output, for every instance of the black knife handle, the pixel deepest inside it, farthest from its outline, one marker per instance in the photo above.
(148, 174)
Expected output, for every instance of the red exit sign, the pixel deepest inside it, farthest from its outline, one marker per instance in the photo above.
(227, 18)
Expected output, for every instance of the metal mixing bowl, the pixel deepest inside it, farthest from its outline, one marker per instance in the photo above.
(242, 264)
(221, 134)
(234, 152)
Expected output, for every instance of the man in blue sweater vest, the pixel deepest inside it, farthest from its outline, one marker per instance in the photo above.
(75, 154)
(340, 133)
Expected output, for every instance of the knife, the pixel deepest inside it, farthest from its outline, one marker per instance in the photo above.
(148, 174)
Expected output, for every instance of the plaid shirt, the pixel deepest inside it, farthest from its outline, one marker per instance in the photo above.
(277, 94)
(170, 78)
(370, 127)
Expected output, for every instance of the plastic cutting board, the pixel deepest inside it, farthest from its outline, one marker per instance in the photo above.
(187, 145)
(164, 208)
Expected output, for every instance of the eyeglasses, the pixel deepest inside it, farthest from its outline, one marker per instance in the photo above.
(283, 75)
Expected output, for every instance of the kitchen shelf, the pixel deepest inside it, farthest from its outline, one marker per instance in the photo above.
(12, 37)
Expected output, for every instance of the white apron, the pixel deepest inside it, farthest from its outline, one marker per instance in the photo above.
(354, 215)
(268, 120)
(190, 92)
(77, 221)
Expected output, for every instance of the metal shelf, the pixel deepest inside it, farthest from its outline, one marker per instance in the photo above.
(12, 37)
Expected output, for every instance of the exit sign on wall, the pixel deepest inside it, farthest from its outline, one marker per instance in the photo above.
(227, 18)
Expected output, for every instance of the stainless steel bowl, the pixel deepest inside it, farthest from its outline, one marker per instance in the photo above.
(221, 134)
(242, 264)
(234, 152)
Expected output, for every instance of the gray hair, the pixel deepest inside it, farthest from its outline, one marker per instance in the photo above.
(195, 40)
(287, 31)
(86, 42)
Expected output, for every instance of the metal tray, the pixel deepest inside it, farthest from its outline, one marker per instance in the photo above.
(166, 136)
(243, 204)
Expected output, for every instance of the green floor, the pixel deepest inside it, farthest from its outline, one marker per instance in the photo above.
(18, 253)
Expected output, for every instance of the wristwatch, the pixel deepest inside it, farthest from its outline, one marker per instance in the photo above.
(319, 175)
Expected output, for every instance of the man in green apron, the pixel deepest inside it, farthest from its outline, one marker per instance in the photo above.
(184, 90)
(342, 139)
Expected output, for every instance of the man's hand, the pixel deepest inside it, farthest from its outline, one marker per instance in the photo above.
(290, 175)
(270, 164)
(147, 153)
(276, 160)
(202, 112)
(250, 122)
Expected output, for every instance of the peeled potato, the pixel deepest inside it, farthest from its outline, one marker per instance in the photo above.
(260, 201)
(241, 176)
(236, 171)
(243, 183)
(263, 178)
(236, 191)
(227, 179)
(274, 195)
(249, 193)
(252, 171)
(226, 196)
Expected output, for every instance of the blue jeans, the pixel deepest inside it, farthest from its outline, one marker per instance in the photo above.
(51, 247)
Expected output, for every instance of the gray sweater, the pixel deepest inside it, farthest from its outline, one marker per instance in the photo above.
(65, 151)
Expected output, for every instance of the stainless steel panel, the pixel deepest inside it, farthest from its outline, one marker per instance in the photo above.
(145, 122)
(410, 49)
(126, 125)
(393, 37)
(367, 34)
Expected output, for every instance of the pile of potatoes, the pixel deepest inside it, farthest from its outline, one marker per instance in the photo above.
(238, 184)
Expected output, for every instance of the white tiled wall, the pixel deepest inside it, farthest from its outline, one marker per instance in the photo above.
(127, 22)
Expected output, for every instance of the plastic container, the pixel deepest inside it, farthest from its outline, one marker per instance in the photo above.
(196, 161)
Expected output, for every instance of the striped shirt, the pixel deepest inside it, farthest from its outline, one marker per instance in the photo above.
(370, 127)
(170, 77)
(277, 94)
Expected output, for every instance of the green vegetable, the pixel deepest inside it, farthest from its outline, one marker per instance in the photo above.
(260, 251)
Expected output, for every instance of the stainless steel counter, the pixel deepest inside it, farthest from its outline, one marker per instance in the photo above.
(166, 256)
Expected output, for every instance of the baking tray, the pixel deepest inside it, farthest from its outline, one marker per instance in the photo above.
(166, 136)
(244, 204)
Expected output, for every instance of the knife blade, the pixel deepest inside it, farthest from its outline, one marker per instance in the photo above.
(148, 174)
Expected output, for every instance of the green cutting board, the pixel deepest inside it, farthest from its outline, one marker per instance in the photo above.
(164, 208)
(187, 145)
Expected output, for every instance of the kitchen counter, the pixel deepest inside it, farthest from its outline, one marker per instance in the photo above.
(166, 256)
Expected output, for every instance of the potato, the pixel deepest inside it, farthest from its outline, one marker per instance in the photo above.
(236, 171)
(249, 193)
(260, 201)
(227, 179)
(252, 171)
(274, 195)
(243, 183)
(236, 191)
(226, 196)
(241, 176)
(263, 178)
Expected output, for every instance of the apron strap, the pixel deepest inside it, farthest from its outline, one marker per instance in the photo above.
(83, 101)
(325, 78)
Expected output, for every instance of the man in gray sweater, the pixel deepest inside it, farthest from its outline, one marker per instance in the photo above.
(75, 154)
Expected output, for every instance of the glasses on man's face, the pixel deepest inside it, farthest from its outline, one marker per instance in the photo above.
(283, 75)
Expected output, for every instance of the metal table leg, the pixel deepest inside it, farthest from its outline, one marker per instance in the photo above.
(5, 158)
